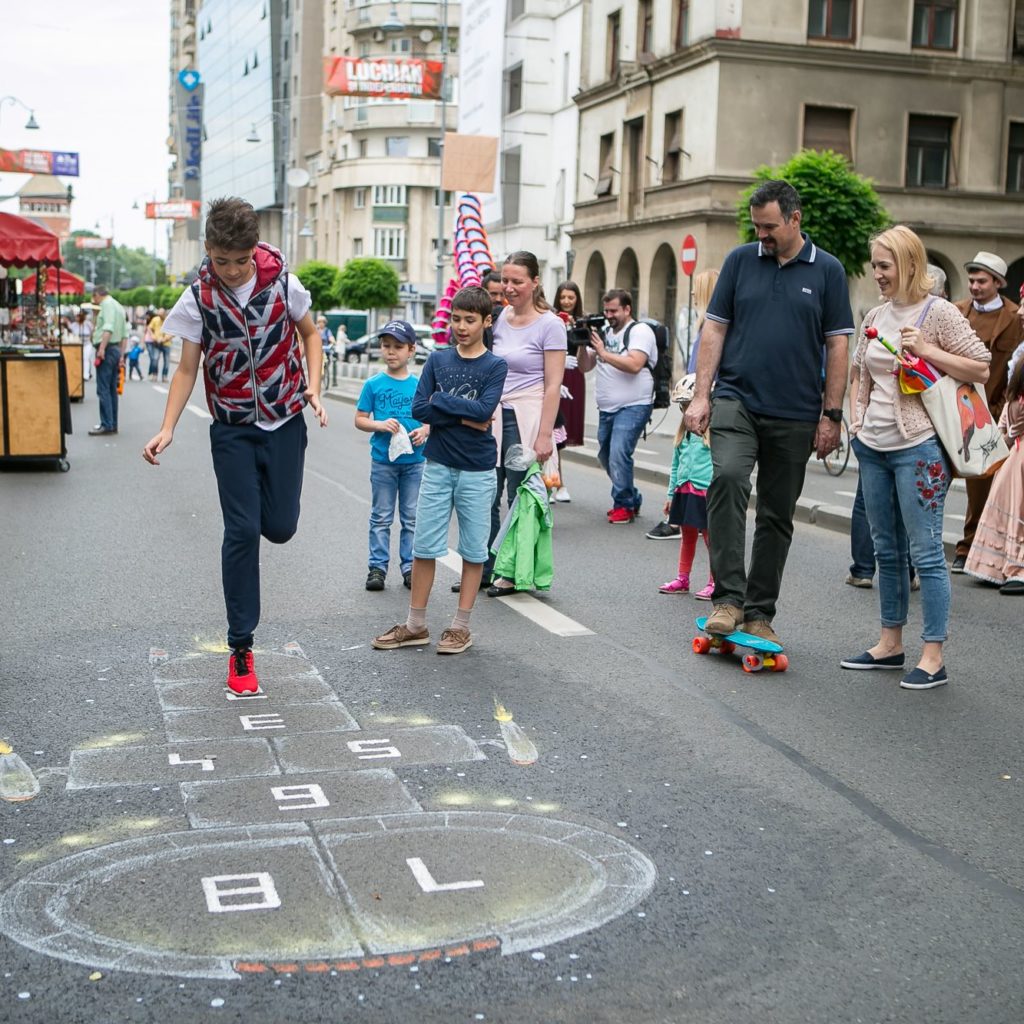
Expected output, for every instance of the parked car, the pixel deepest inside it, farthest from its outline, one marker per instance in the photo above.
(369, 344)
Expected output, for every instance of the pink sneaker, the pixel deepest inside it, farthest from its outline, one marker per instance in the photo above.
(680, 585)
(705, 594)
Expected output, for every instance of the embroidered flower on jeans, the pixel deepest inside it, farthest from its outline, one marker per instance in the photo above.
(931, 483)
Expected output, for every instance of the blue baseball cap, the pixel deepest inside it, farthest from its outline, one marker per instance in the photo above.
(401, 330)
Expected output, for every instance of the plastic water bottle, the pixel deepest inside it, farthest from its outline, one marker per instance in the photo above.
(16, 779)
(520, 747)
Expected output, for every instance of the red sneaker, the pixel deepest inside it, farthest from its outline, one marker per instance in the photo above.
(620, 516)
(242, 671)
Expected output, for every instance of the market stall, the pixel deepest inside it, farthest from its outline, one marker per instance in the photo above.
(45, 283)
(35, 408)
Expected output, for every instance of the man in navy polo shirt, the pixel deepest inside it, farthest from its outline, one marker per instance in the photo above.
(778, 303)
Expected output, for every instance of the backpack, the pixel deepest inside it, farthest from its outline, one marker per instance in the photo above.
(661, 371)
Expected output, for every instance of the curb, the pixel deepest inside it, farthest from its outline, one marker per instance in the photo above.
(814, 513)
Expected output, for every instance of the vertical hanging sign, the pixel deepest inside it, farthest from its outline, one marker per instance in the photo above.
(188, 113)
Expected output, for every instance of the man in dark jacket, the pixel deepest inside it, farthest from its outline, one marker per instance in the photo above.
(995, 321)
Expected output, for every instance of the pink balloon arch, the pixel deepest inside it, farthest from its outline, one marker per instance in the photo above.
(472, 261)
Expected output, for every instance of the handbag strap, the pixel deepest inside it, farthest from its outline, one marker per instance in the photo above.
(924, 312)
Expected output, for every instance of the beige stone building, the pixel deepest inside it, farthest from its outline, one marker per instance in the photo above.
(680, 101)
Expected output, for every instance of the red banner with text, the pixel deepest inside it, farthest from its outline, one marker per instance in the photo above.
(392, 77)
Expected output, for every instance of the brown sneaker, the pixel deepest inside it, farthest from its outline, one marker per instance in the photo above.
(762, 629)
(399, 636)
(454, 641)
(725, 619)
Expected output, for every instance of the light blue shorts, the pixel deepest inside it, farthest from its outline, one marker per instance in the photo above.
(471, 494)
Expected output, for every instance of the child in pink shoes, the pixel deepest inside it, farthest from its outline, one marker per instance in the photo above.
(686, 506)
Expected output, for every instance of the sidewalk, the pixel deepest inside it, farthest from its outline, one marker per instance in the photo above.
(654, 458)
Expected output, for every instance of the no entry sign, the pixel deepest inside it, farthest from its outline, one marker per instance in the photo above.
(688, 255)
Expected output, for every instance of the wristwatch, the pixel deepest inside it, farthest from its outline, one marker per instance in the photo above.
(835, 415)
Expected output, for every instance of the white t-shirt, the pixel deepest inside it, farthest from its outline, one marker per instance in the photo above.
(184, 320)
(615, 388)
(879, 430)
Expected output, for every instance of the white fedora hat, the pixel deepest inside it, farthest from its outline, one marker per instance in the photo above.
(990, 262)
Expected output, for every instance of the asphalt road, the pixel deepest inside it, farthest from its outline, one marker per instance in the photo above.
(808, 846)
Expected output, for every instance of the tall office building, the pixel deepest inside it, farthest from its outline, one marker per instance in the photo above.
(183, 250)
(539, 133)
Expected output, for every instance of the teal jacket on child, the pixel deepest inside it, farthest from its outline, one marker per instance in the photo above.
(691, 464)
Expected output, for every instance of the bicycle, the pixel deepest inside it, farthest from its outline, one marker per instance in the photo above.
(837, 461)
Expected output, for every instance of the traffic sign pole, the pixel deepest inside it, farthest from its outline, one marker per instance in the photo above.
(688, 261)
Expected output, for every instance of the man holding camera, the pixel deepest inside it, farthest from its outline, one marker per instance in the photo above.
(624, 356)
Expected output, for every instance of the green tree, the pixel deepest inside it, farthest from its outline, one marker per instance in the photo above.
(367, 283)
(841, 210)
(321, 281)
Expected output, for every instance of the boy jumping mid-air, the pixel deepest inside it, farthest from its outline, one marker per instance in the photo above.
(244, 314)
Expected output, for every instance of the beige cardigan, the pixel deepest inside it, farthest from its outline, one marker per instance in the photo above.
(944, 326)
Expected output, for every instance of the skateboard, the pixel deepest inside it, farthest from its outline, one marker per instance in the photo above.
(764, 654)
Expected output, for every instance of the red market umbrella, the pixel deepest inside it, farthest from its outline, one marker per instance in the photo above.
(23, 243)
(70, 284)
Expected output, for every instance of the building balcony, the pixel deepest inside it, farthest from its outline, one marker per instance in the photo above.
(407, 116)
(390, 214)
(367, 17)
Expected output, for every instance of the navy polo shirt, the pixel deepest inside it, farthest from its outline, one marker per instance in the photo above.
(778, 319)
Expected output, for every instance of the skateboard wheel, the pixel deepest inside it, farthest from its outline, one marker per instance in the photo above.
(701, 645)
(728, 647)
(752, 663)
(781, 663)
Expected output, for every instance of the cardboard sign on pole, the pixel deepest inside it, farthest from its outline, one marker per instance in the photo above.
(469, 163)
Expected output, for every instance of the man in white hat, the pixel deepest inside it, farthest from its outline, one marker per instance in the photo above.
(995, 321)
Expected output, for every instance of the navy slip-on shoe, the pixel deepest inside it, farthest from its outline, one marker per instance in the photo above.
(866, 661)
(918, 679)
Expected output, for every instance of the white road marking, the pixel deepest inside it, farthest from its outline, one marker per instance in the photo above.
(545, 616)
(847, 494)
(529, 607)
(198, 411)
(163, 391)
(953, 515)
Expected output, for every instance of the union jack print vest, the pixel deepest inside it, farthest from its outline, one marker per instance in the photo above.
(252, 364)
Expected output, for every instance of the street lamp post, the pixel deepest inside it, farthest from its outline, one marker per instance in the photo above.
(439, 281)
(135, 206)
(32, 124)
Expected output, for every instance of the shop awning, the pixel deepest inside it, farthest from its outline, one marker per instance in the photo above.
(70, 284)
(25, 244)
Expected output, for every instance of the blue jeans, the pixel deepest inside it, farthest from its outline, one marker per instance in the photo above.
(617, 437)
(910, 484)
(862, 548)
(106, 386)
(391, 484)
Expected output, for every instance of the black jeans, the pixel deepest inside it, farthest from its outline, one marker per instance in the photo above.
(259, 478)
(780, 449)
(508, 481)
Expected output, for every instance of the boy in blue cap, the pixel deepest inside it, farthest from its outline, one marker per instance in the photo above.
(384, 410)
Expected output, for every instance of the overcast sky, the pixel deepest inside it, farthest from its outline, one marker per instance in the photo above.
(97, 77)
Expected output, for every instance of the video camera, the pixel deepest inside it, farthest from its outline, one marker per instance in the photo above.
(579, 333)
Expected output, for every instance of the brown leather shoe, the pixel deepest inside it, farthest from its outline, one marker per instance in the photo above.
(400, 636)
(725, 619)
(762, 629)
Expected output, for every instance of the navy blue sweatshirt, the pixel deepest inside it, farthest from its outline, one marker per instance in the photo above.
(452, 389)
